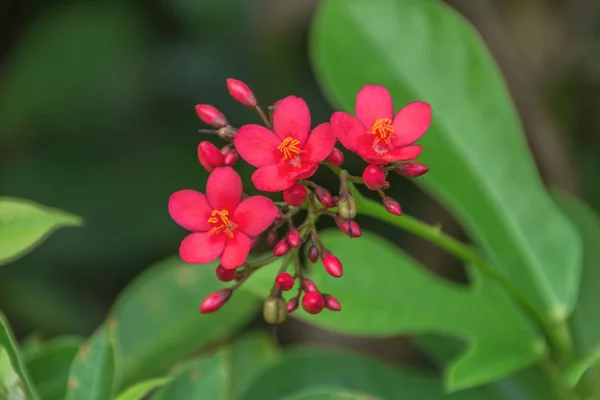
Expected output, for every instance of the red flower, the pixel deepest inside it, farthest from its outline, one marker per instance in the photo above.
(374, 135)
(222, 224)
(288, 154)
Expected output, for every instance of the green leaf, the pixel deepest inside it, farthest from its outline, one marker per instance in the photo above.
(330, 394)
(400, 296)
(92, 373)
(8, 342)
(24, 224)
(49, 366)
(139, 390)
(584, 321)
(11, 387)
(226, 373)
(159, 324)
(480, 166)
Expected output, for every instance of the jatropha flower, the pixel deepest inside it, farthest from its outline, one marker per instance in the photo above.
(376, 134)
(222, 224)
(288, 154)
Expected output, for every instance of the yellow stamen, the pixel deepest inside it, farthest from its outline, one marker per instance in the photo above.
(222, 223)
(383, 131)
(290, 151)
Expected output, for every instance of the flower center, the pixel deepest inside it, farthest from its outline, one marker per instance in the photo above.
(290, 151)
(222, 223)
(383, 131)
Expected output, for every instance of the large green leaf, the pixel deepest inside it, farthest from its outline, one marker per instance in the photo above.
(48, 364)
(225, 374)
(11, 387)
(480, 166)
(159, 324)
(24, 224)
(585, 320)
(92, 373)
(398, 296)
(8, 342)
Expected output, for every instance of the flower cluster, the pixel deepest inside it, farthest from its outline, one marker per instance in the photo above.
(225, 223)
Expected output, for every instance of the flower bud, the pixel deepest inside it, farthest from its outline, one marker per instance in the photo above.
(284, 281)
(347, 207)
(293, 238)
(225, 275)
(272, 237)
(336, 157)
(227, 133)
(313, 254)
(332, 264)
(209, 156)
(332, 303)
(281, 248)
(374, 177)
(309, 285)
(254, 241)
(411, 169)
(295, 194)
(392, 206)
(292, 305)
(313, 302)
(241, 92)
(336, 200)
(349, 227)
(278, 217)
(214, 301)
(274, 310)
(211, 116)
(324, 196)
(230, 155)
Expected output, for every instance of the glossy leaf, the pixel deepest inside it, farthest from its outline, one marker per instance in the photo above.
(164, 301)
(49, 364)
(142, 389)
(8, 342)
(399, 296)
(24, 224)
(92, 373)
(11, 387)
(480, 166)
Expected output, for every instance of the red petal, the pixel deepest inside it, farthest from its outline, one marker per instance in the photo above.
(292, 119)
(254, 215)
(272, 178)
(373, 103)
(411, 123)
(191, 210)
(348, 130)
(319, 145)
(200, 248)
(305, 172)
(406, 153)
(224, 189)
(236, 251)
(257, 145)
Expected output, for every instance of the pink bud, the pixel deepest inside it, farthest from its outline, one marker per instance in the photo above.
(332, 264)
(241, 92)
(284, 281)
(230, 155)
(392, 206)
(313, 302)
(411, 169)
(332, 303)
(281, 248)
(214, 301)
(293, 238)
(209, 156)
(336, 157)
(292, 305)
(272, 237)
(324, 196)
(374, 177)
(309, 285)
(211, 116)
(349, 227)
(313, 254)
(225, 275)
(295, 194)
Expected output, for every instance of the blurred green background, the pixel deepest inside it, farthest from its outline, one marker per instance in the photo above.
(97, 118)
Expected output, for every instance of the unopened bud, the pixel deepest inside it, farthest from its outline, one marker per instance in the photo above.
(210, 156)
(324, 196)
(230, 155)
(392, 206)
(214, 301)
(295, 194)
(336, 200)
(292, 305)
(347, 207)
(225, 275)
(254, 241)
(309, 285)
(278, 217)
(227, 133)
(411, 169)
(284, 281)
(272, 237)
(313, 302)
(332, 264)
(313, 254)
(241, 92)
(281, 248)
(374, 177)
(336, 157)
(332, 303)
(293, 238)
(349, 227)
(211, 116)
(274, 310)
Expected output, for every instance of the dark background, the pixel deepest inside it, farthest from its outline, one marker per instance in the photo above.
(97, 118)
